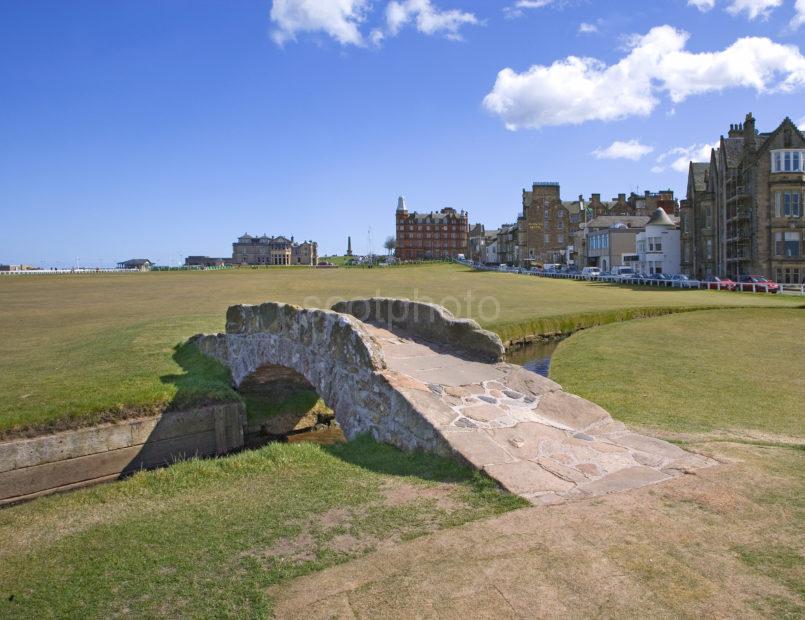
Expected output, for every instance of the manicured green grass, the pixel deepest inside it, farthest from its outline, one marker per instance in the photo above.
(735, 370)
(79, 349)
(207, 538)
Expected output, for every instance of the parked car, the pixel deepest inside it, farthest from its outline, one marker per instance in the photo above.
(760, 284)
(659, 278)
(591, 272)
(623, 273)
(717, 283)
(680, 280)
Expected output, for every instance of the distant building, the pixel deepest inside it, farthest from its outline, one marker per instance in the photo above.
(204, 261)
(546, 225)
(141, 264)
(610, 241)
(477, 243)
(507, 244)
(264, 250)
(443, 234)
(659, 245)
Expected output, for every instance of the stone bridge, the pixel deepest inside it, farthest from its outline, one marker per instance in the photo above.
(413, 376)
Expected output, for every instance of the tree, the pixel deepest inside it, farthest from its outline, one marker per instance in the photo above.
(390, 244)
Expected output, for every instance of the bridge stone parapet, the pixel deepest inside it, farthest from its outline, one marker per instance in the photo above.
(429, 322)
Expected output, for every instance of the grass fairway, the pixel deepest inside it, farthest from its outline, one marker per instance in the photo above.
(737, 372)
(79, 349)
(207, 538)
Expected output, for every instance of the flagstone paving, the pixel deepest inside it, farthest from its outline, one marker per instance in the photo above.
(522, 429)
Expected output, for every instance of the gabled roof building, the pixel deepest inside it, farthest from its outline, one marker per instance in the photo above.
(744, 209)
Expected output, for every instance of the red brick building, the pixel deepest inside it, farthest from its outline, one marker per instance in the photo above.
(431, 235)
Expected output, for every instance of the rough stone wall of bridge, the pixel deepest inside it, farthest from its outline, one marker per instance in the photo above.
(338, 356)
(429, 322)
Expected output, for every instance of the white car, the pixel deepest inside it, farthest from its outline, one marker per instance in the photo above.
(591, 272)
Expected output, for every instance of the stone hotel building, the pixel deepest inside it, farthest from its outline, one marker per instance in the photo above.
(443, 234)
(744, 210)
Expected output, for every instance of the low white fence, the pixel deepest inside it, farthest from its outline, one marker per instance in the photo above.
(789, 289)
(68, 272)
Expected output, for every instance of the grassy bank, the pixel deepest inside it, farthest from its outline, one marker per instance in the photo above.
(733, 371)
(207, 538)
(78, 349)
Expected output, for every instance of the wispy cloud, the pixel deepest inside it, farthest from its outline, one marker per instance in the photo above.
(427, 18)
(629, 149)
(702, 5)
(342, 19)
(585, 28)
(679, 158)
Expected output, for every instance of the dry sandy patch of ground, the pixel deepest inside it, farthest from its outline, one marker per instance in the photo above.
(726, 541)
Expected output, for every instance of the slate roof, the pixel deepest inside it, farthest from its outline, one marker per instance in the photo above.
(660, 218)
(699, 172)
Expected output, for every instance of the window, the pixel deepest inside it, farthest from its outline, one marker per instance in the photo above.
(546, 238)
(792, 244)
(708, 217)
(778, 244)
(708, 249)
(787, 161)
(778, 202)
(560, 238)
(791, 204)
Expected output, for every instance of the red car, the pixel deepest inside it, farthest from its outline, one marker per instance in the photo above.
(758, 284)
(721, 284)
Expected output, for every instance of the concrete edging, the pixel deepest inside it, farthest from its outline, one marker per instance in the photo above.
(61, 461)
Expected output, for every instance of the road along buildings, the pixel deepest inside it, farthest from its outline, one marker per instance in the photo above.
(264, 250)
(442, 234)
(743, 212)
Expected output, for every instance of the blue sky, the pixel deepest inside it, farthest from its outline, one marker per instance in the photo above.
(139, 128)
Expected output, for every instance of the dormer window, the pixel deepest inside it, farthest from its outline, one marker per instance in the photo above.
(787, 160)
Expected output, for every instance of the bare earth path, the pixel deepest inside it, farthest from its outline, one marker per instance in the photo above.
(716, 543)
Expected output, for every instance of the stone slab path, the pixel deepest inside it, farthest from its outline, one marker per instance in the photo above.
(522, 429)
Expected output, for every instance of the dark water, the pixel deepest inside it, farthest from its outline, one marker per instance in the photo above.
(535, 357)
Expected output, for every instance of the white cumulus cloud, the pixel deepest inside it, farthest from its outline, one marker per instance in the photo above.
(702, 5)
(585, 28)
(427, 18)
(753, 8)
(799, 15)
(340, 19)
(630, 149)
(579, 89)
(679, 158)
